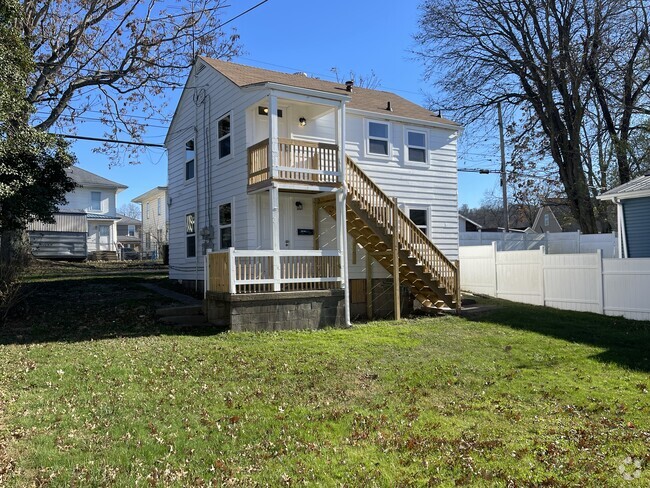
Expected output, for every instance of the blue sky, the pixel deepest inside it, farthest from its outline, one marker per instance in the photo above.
(314, 36)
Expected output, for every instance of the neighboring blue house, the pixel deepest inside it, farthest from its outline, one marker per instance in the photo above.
(632, 201)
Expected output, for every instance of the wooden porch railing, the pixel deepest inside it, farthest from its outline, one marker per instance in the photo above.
(299, 161)
(241, 271)
(382, 208)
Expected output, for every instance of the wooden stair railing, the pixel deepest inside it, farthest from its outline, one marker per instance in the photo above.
(422, 265)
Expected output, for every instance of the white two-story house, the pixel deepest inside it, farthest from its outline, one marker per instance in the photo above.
(153, 205)
(298, 192)
(86, 226)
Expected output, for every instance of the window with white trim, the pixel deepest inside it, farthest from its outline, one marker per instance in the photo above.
(130, 231)
(189, 159)
(416, 146)
(419, 217)
(223, 136)
(225, 226)
(147, 241)
(378, 138)
(96, 200)
(190, 236)
(159, 206)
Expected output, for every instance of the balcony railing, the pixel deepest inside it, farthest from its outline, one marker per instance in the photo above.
(240, 271)
(299, 161)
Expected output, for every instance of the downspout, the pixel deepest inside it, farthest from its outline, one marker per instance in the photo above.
(196, 187)
(622, 240)
(344, 189)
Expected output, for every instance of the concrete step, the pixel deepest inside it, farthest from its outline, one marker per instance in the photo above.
(180, 311)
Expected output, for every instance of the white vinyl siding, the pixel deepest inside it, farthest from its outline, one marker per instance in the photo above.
(433, 185)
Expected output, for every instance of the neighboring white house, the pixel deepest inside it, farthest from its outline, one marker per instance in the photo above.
(89, 214)
(154, 219)
(632, 201)
(263, 164)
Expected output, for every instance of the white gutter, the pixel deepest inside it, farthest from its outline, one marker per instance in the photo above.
(405, 120)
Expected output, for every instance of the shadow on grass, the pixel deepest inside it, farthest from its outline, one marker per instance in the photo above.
(626, 342)
(91, 308)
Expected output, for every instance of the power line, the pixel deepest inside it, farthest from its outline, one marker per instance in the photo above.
(112, 141)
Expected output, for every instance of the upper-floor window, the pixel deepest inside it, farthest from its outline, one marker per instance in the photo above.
(225, 226)
(547, 220)
(190, 236)
(159, 206)
(130, 230)
(223, 136)
(95, 200)
(148, 210)
(378, 138)
(189, 159)
(416, 144)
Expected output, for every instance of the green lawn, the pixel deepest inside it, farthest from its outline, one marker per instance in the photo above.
(93, 392)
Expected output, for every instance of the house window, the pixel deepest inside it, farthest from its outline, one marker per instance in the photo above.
(419, 217)
(148, 210)
(225, 226)
(147, 241)
(378, 138)
(189, 159)
(96, 200)
(159, 206)
(223, 136)
(130, 231)
(547, 220)
(190, 236)
(416, 142)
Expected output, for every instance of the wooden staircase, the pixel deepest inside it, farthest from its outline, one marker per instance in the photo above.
(374, 220)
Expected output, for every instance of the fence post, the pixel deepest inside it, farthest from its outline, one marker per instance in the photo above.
(601, 283)
(232, 283)
(494, 260)
(578, 242)
(542, 262)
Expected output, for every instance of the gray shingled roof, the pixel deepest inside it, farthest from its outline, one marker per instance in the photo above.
(640, 185)
(85, 178)
(364, 99)
(126, 220)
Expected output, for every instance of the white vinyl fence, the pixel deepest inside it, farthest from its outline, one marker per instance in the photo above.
(554, 242)
(580, 282)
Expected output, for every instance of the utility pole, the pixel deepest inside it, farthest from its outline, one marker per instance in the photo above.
(504, 187)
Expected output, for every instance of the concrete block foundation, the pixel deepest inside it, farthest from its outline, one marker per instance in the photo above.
(277, 311)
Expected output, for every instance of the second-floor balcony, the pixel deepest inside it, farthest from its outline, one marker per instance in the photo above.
(302, 162)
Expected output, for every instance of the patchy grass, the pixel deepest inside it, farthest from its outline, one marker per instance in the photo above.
(521, 396)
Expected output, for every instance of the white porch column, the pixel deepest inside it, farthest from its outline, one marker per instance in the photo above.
(274, 148)
(274, 194)
(341, 216)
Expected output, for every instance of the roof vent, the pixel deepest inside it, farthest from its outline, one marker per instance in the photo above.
(348, 85)
(200, 68)
(301, 73)
(389, 107)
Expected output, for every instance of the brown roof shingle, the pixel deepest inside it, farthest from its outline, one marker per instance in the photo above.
(365, 99)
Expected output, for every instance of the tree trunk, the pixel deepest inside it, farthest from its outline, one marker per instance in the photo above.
(14, 247)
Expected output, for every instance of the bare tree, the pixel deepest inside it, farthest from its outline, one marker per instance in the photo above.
(112, 59)
(370, 80)
(130, 210)
(537, 56)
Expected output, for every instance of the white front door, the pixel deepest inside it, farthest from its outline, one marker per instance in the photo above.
(104, 240)
(286, 222)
